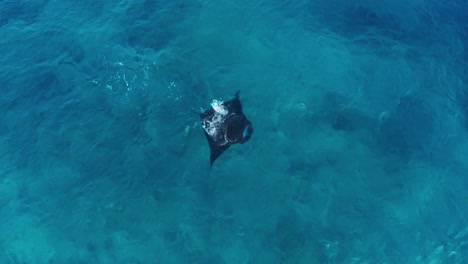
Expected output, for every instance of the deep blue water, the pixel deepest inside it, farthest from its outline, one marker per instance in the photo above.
(360, 110)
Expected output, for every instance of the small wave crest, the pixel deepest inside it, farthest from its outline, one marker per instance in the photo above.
(124, 78)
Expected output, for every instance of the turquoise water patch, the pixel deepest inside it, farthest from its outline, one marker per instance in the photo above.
(359, 111)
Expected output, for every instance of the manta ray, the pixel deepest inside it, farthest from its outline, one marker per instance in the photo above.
(225, 124)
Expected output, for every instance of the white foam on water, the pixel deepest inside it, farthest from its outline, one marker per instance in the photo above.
(219, 107)
(218, 117)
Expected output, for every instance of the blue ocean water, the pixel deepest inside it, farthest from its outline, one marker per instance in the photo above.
(360, 110)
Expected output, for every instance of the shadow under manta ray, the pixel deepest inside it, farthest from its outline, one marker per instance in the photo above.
(224, 125)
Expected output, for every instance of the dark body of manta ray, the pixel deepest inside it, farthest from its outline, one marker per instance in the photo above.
(224, 125)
